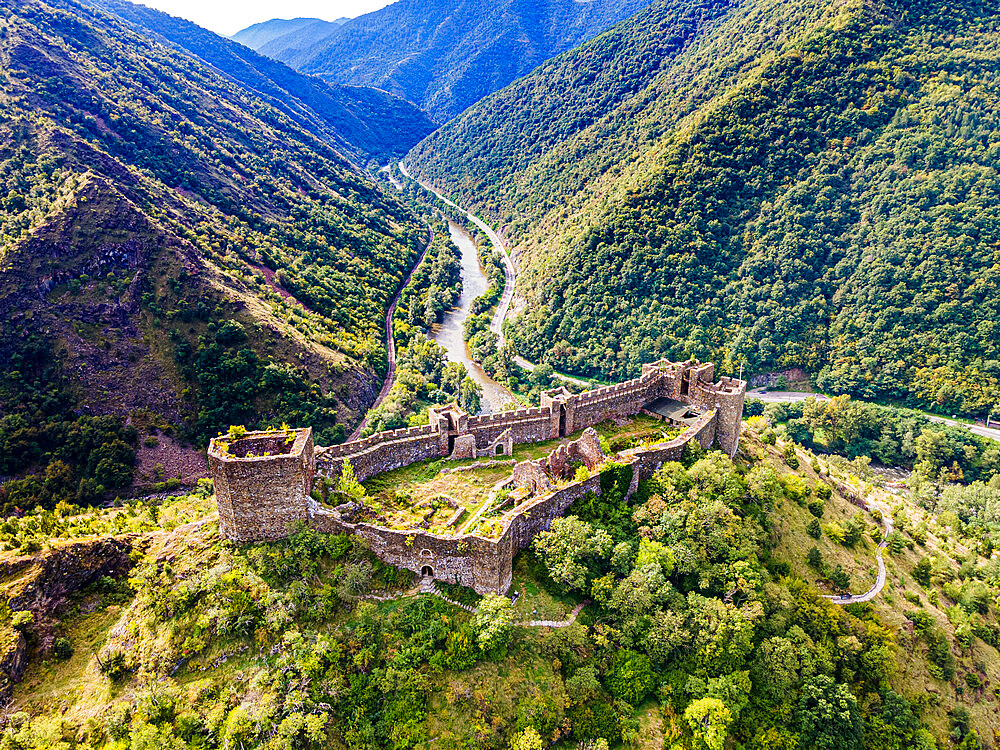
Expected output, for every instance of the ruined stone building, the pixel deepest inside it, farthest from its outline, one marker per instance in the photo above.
(264, 480)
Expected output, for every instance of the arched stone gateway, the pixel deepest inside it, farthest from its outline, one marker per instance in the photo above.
(427, 571)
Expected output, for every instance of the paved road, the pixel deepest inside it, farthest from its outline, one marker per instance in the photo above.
(791, 396)
(876, 589)
(503, 306)
(391, 341)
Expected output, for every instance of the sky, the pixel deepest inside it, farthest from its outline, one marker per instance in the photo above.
(229, 16)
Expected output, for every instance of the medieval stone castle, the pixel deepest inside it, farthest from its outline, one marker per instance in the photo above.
(264, 480)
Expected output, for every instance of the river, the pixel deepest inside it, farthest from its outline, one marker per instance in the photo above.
(449, 334)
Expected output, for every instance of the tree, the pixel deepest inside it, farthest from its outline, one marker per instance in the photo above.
(527, 740)
(827, 716)
(813, 529)
(814, 558)
(709, 720)
(493, 622)
(570, 550)
(630, 676)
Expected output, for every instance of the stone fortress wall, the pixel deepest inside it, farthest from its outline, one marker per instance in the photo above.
(259, 497)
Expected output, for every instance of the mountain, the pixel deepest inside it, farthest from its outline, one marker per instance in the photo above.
(177, 255)
(446, 55)
(362, 121)
(267, 32)
(767, 184)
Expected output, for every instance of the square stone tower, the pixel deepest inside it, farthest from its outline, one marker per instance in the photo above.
(262, 482)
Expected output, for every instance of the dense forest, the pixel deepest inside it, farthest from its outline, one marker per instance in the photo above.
(443, 55)
(171, 242)
(766, 184)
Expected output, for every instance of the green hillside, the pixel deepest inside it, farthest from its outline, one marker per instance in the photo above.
(176, 253)
(361, 122)
(704, 628)
(445, 55)
(260, 35)
(763, 183)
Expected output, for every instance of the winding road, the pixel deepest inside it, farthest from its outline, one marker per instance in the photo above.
(792, 396)
(503, 306)
(879, 584)
(391, 341)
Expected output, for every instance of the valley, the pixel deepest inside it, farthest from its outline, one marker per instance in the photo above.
(384, 383)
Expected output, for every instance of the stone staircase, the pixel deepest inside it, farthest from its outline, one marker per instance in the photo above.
(429, 586)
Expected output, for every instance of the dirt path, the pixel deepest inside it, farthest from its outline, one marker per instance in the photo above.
(391, 341)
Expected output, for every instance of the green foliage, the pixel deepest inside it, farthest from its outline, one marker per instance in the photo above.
(892, 436)
(573, 552)
(446, 57)
(813, 529)
(73, 458)
(629, 676)
(802, 240)
(828, 717)
(493, 623)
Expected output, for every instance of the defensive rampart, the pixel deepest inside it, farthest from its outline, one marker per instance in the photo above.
(259, 497)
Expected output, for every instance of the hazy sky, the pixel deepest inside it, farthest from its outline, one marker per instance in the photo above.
(229, 16)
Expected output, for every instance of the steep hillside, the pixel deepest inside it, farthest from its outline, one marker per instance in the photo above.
(262, 34)
(446, 55)
(764, 183)
(362, 122)
(174, 251)
(703, 627)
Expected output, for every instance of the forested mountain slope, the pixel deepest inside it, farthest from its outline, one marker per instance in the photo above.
(173, 249)
(260, 35)
(361, 121)
(761, 182)
(446, 55)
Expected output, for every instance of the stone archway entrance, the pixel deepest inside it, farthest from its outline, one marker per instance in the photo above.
(427, 571)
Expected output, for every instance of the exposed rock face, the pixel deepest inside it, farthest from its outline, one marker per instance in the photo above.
(52, 577)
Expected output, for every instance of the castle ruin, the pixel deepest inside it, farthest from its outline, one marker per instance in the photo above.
(264, 480)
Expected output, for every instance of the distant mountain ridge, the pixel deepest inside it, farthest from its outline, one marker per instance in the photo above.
(762, 183)
(445, 55)
(363, 121)
(266, 32)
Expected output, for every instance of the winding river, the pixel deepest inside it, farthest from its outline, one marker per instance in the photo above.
(449, 334)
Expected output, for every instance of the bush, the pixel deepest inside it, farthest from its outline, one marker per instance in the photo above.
(22, 621)
(791, 458)
(817, 508)
(62, 649)
(813, 529)
(115, 666)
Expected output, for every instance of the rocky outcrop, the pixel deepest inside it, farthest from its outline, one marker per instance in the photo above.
(43, 587)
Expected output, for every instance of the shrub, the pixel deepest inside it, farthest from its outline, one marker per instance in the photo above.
(62, 649)
(813, 529)
(630, 676)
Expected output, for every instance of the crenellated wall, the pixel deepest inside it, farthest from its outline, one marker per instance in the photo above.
(260, 497)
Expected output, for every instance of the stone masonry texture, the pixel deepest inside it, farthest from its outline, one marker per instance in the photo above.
(260, 497)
